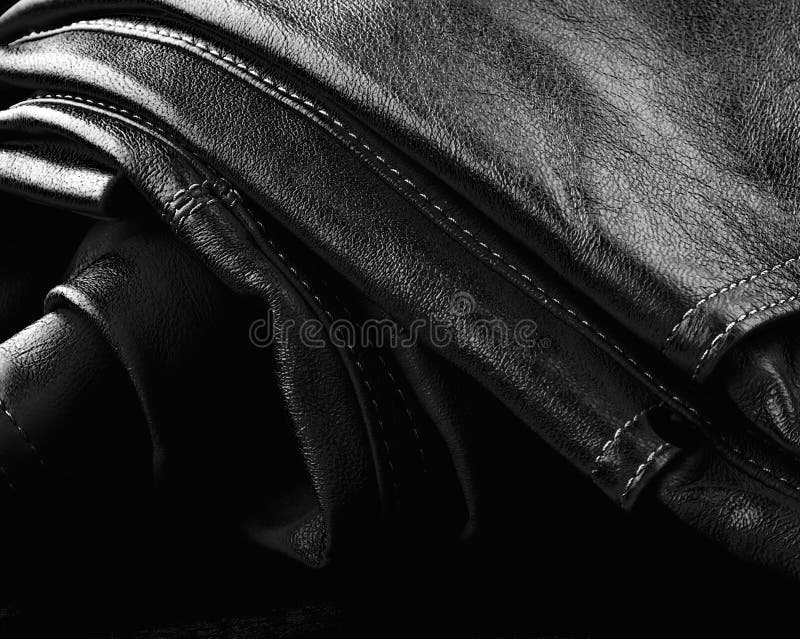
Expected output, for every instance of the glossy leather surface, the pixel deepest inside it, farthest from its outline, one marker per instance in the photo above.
(617, 178)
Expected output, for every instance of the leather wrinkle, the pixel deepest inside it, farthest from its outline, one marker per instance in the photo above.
(428, 207)
(194, 191)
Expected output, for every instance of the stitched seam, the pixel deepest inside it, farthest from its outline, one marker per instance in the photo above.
(407, 410)
(726, 289)
(238, 63)
(766, 469)
(177, 221)
(723, 335)
(642, 469)
(22, 432)
(356, 359)
(628, 424)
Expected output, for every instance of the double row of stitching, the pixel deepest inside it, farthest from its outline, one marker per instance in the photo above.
(198, 192)
(394, 174)
(640, 472)
(720, 338)
(188, 201)
(622, 429)
(726, 289)
(398, 389)
(221, 185)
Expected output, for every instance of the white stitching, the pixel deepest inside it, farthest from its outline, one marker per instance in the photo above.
(356, 360)
(723, 290)
(362, 373)
(619, 432)
(642, 469)
(720, 337)
(97, 103)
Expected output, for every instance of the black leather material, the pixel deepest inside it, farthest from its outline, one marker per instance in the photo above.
(612, 185)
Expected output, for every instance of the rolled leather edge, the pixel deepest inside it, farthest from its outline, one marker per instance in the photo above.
(57, 175)
(52, 425)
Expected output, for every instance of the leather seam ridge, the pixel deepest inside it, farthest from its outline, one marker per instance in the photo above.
(197, 189)
(641, 471)
(7, 478)
(237, 199)
(371, 394)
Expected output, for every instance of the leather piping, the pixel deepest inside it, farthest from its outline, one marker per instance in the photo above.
(622, 429)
